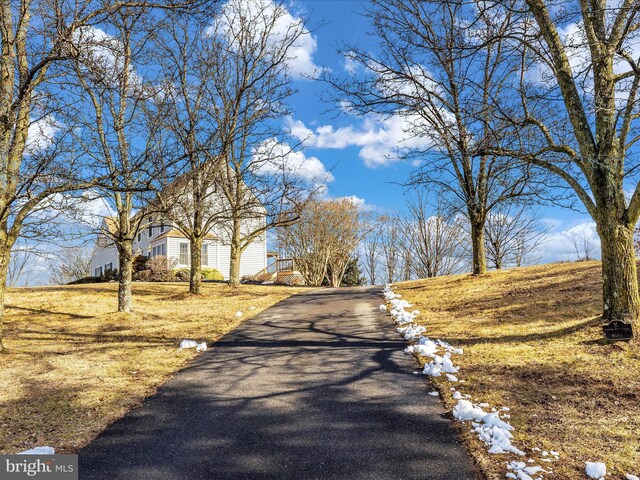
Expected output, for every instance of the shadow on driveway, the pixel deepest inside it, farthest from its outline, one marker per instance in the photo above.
(316, 387)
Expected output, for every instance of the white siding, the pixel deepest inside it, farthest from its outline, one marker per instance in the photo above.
(218, 256)
(103, 255)
(254, 259)
(173, 250)
(225, 260)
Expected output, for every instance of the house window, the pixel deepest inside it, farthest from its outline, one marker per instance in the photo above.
(108, 266)
(139, 237)
(162, 228)
(160, 250)
(184, 253)
(205, 255)
(150, 230)
(98, 272)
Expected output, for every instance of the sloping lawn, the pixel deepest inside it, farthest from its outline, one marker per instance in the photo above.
(533, 342)
(74, 366)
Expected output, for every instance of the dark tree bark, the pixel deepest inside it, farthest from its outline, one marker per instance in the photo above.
(125, 255)
(195, 273)
(5, 247)
(234, 269)
(620, 279)
(585, 120)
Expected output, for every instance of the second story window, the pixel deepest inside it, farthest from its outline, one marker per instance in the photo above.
(139, 237)
(150, 230)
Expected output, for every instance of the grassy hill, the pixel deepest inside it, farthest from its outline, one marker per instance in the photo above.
(533, 343)
(73, 366)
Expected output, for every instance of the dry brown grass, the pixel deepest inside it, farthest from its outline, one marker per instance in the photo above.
(533, 342)
(74, 366)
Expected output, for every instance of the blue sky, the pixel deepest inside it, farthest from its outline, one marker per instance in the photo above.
(355, 167)
(353, 148)
(333, 24)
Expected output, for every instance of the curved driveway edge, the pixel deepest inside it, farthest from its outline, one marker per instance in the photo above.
(316, 387)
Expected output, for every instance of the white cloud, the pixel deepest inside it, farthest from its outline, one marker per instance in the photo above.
(574, 38)
(357, 201)
(103, 56)
(273, 157)
(560, 245)
(351, 65)
(379, 138)
(94, 208)
(261, 13)
(41, 134)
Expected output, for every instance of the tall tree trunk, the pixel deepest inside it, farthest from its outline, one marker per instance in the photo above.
(479, 256)
(498, 259)
(125, 257)
(335, 276)
(620, 281)
(195, 273)
(234, 269)
(5, 256)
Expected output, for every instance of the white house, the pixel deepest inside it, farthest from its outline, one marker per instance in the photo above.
(160, 237)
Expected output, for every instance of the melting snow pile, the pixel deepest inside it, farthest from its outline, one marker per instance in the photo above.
(520, 471)
(411, 331)
(595, 470)
(200, 347)
(39, 451)
(490, 427)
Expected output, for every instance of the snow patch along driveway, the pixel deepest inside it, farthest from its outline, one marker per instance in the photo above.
(491, 428)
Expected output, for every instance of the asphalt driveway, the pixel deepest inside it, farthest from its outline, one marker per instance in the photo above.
(316, 387)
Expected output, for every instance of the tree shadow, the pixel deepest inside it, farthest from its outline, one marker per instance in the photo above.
(301, 392)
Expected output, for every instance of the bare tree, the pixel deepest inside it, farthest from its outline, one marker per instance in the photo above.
(440, 76)
(391, 242)
(584, 249)
(307, 243)
(71, 264)
(23, 256)
(370, 256)
(120, 128)
(193, 66)
(36, 36)
(580, 121)
(349, 224)
(512, 233)
(407, 263)
(433, 241)
(262, 179)
(323, 241)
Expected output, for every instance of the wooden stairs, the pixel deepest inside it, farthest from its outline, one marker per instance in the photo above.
(280, 272)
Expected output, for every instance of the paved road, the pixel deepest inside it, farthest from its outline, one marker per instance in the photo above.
(317, 387)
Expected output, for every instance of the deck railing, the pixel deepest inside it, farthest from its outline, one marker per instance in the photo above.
(285, 265)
